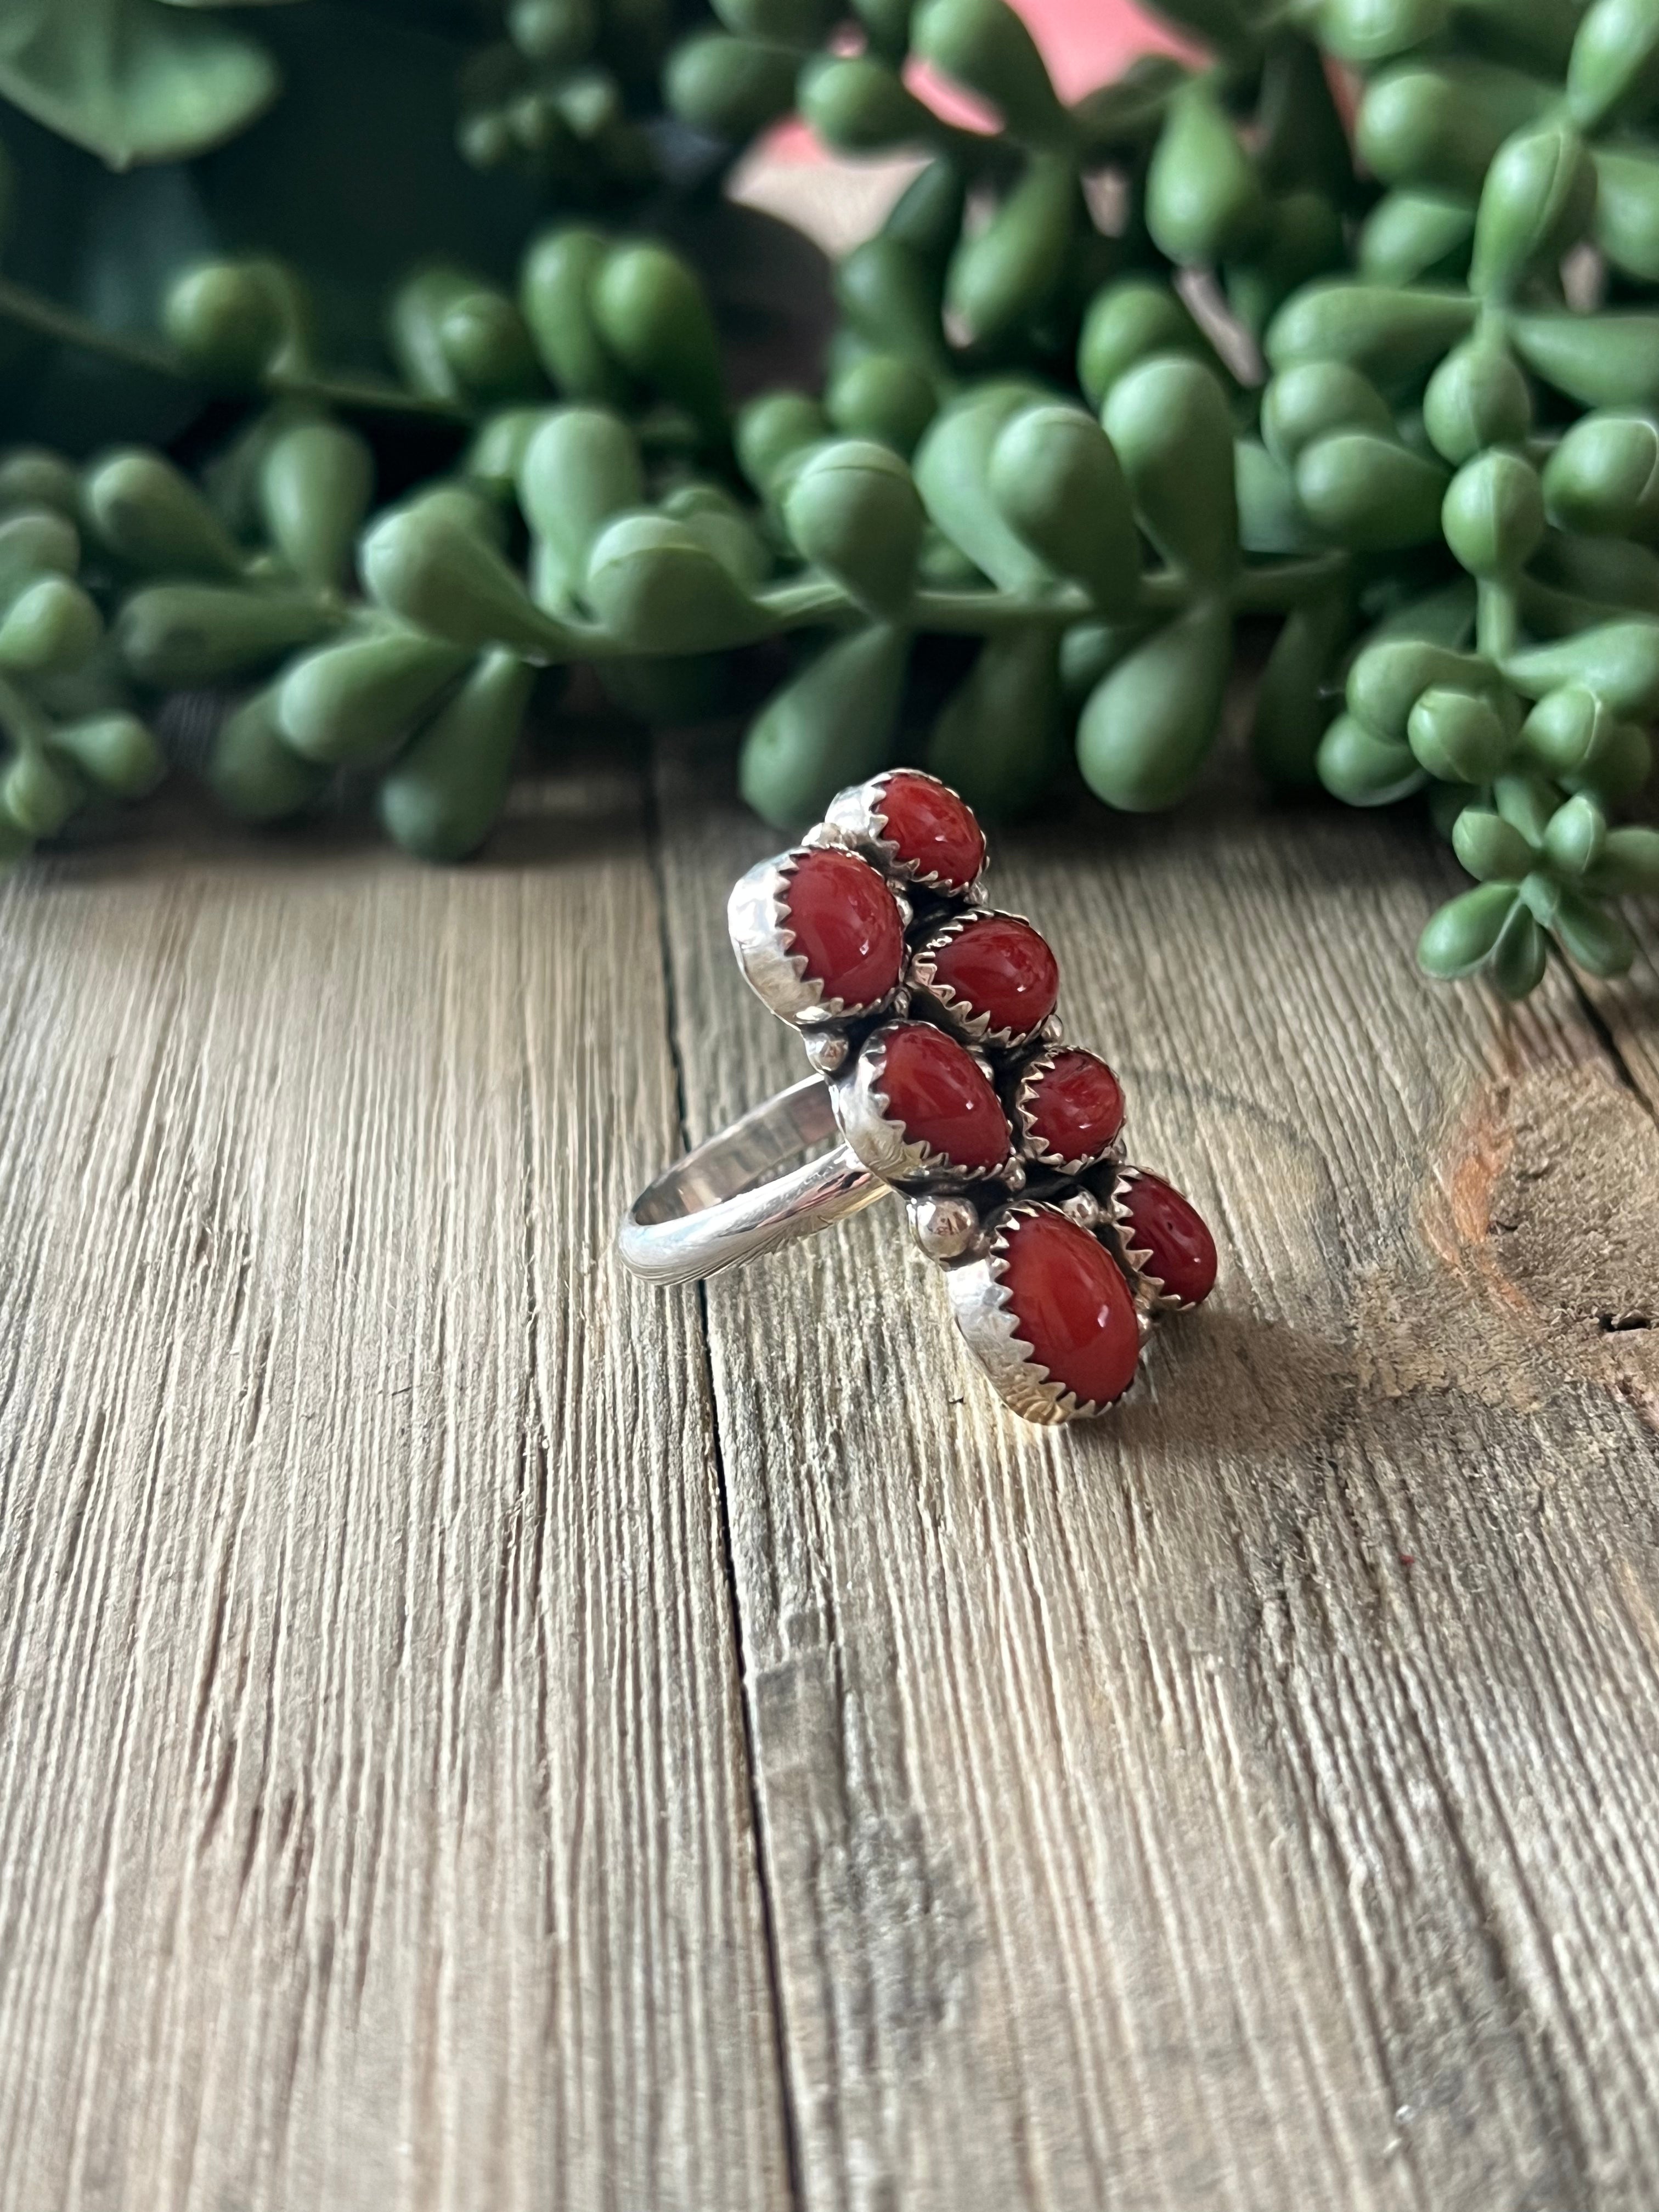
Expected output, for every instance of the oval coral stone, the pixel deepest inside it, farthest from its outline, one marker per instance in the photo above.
(999, 966)
(1071, 1305)
(846, 925)
(1170, 1228)
(1076, 1106)
(939, 1094)
(934, 832)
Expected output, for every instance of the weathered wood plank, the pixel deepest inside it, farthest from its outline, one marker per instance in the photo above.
(1249, 1802)
(374, 1822)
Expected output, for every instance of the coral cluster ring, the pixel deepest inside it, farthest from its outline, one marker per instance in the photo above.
(941, 1075)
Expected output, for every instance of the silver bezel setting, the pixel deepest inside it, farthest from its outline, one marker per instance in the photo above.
(757, 920)
(924, 975)
(1030, 1081)
(878, 1139)
(983, 1312)
(1153, 1300)
(855, 817)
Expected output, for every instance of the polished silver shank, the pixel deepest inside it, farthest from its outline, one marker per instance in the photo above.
(725, 1203)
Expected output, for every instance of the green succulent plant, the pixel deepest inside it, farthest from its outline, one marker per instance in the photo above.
(69, 736)
(1114, 375)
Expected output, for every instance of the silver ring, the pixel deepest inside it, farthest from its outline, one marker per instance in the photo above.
(724, 1203)
(943, 1075)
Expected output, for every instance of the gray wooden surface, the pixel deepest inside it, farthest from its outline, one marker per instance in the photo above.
(476, 1733)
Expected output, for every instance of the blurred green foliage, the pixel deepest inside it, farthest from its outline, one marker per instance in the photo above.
(1350, 326)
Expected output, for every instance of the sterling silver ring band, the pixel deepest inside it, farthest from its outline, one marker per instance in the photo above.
(725, 1203)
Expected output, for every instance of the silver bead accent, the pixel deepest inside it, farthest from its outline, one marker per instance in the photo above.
(944, 1228)
(1084, 1208)
(825, 1048)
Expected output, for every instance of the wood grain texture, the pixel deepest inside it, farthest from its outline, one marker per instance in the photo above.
(1247, 1802)
(374, 1826)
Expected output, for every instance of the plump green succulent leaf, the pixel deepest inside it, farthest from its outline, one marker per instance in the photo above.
(1364, 769)
(1618, 661)
(1370, 494)
(1628, 863)
(1570, 727)
(1460, 937)
(883, 395)
(1390, 674)
(1204, 202)
(226, 319)
(357, 698)
(1125, 322)
(771, 430)
(1492, 849)
(172, 635)
(1004, 274)
(652, 315)
(1297, 698)
(579, 467)
(1493, 514)
(1614, 69)
(1458, 736)
(831, 724)
(1435, 126)
(152, 518)
(1521, 954)
(1270, 519)
(32, 476)
(891, 293)
(430, 567)
(854, 510)
(952, 471)
(730, 88)
(1592, 935)
(129, 80)
(1148, 727)
(442, 795)
(1477, 398)
(254, 772)
(116, 751)
(1603, 478)
(658, 588)
(315, 485)
(1001, 737)
(35, 541)
(555, 287)
(1314, 399)
(858, 105)
(985, 46)
(1600, 361)
(37, 793)
(1409, 236)
(1168, 420)
(1059, 485)
(1391, 334)
(1536, 201)
(1369, 32)
(1575, 836)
